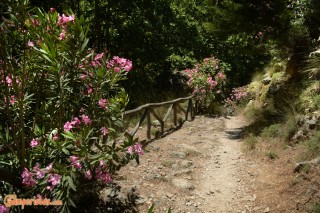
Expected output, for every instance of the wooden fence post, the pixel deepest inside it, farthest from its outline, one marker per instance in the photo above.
(148, 124)
(175, 116)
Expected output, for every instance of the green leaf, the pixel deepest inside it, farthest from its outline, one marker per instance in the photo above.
(69, 135)
(71, 183)
(65, 151)
(72, 203)
(47, 58)
(83, 46)
(150, 210)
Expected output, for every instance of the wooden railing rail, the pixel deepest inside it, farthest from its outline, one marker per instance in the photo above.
(148, 109)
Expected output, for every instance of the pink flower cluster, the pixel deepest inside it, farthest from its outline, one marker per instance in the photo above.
(118, 64)
(137, 148)
(4, 209)
(103, 103)
(206, 78)
(34, 142)
(53, 180)
(97, 60)
(239, 93)
(75, 162)
(12, 100)
(63, 22)
(104, 131)
(102, 173)
(76, 122)
(29, 178)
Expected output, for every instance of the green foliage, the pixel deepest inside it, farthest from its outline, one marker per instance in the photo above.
(272, 131)
(251, 141)
(272, 155)
(61, 108)
(316, 208)
(313, 145)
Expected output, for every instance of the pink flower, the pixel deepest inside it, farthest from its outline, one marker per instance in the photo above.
(62, 34)
(77, 165)
(138, 149)
(71, 18)
(30, 44)
(104, 131)
(218, 91)
(35, 22)
(98, 172)
(34, 143)
(120, 63)
(93, 63)
(86, 119)
(98, 56)
(220, 75)
(49, 168)
(76, 121)
(90, 90)
(50, 187)
(103, 164)
(4, 209)
(75, 162)
(88, 175)
(130, 150)
(39, 196)
(27, 178)
(62, 20)
(73, 159)
(102, 103)
(12, 100)
(83, 76)
(67, 126)
(54, 179)
(52, 10)
(55, 137)
(106, 178)
(9, 81)
(40, 174)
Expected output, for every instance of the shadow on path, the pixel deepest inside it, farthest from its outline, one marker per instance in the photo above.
(235, 134)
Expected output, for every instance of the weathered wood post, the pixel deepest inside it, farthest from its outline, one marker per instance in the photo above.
(175, 116)
(148, 124)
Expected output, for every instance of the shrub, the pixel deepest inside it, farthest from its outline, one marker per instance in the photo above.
(207, 80)
(272, 155)
(271, 131)
(251, 142)
(61, 109)
(313, 145)
(238, 96)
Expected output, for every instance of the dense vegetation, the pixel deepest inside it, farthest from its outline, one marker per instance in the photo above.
(70, 68)
(163, 36)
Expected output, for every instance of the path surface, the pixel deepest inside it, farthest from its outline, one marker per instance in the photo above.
(198, 168)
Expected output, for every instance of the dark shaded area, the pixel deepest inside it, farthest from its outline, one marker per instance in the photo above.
(235, 134)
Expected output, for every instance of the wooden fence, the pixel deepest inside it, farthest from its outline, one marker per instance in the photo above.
(174, 106)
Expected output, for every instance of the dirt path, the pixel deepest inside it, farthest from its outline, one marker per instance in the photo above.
(198, 168)
(223, 171)
(201, 168)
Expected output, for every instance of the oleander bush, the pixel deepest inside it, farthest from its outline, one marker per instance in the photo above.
(60, 109)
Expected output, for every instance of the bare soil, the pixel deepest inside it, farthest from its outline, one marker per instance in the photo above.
(202, 168)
